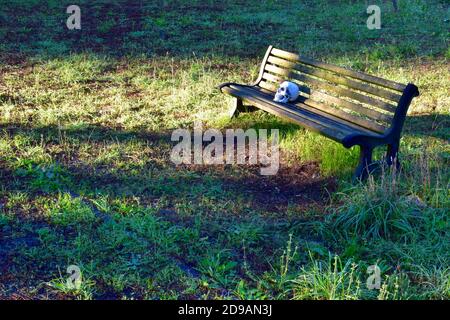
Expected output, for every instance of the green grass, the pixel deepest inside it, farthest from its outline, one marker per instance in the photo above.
(86, 179)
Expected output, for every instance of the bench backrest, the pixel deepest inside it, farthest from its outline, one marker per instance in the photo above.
(367, 101)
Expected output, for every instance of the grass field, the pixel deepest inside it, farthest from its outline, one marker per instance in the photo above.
(85, 176)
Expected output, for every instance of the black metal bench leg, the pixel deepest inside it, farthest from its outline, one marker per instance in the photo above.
(392, 155)
(236, 107)
(239, 107)
(365, 163)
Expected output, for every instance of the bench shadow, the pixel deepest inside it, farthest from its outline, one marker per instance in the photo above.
(299, 185)
(434, 125)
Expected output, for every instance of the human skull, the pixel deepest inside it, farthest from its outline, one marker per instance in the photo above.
(288, 91)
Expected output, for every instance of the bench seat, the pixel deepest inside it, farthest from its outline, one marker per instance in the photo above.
(313, 119)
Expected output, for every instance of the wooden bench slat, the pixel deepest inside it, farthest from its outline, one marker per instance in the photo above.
(268, 86)
(374, 115)
(344, 92)
(335, 112)
(278, 80)
(340, 70)
(380, 92)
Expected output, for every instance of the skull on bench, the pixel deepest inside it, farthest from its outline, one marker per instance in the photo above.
(288, 91)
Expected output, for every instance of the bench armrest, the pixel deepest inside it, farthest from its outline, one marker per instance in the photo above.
(261, 72)
(227, 84)
(366, 140)
(410, 92)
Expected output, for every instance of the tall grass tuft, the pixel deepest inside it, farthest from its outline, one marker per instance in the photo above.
(332, 280)
(394, 205)
(376, 210)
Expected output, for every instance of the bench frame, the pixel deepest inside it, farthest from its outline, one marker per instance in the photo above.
(390, 138)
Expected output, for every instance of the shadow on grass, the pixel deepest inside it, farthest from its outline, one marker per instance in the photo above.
(242, 29)
(298, 185)
(429, 125)
(223, 196)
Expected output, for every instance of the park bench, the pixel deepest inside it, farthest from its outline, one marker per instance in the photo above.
(350, 107)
